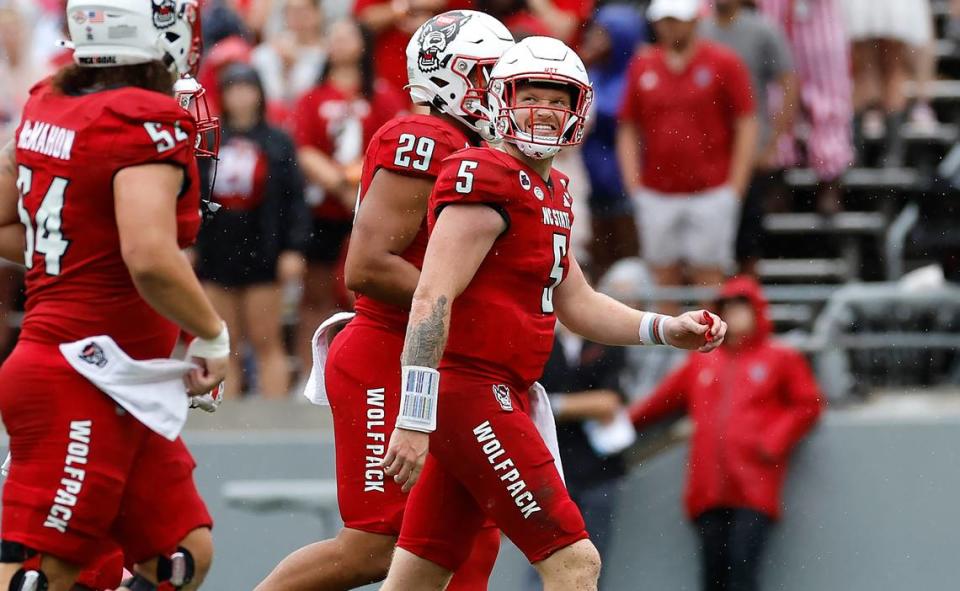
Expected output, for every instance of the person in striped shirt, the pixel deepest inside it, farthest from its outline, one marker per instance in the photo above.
(821, 53)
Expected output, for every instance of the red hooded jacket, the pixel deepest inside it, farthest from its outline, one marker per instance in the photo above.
(750, 404)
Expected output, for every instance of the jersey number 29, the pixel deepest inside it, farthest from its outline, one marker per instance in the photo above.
(48, 238)
(422, 146)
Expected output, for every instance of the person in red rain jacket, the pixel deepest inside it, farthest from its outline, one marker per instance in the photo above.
(751, 402)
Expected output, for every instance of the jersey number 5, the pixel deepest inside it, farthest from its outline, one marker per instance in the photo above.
(556, 272)
(422, 146)
(48, 238)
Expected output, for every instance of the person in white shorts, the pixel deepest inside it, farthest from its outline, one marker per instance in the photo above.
(883, 33)
(686, 145)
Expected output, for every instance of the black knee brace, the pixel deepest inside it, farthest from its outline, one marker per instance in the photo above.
(29, 580)
(25, 579)
(173, 572)
(177, 569)
(138, 583)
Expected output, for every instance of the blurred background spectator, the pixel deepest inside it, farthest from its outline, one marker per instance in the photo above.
(609, 43)
(764, 51)
(583, 381)
(255, 242)
(332, 124)
(751, 402)
(392, 22)
(821, 53)
(883, 32)
(552, 18)
(291, 60)
(22, 64)
(220, 21)
(686, 145)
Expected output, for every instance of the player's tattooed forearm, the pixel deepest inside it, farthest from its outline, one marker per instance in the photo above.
(427, 337)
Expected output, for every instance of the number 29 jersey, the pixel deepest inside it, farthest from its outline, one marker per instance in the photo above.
(68, 150)
(412, 145)
(502, 325)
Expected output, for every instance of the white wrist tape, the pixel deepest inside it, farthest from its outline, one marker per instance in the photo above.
(419, 389)
(652, 327)
(215, 348)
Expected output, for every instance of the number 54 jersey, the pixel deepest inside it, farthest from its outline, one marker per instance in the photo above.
(68, 150)
(502, 325)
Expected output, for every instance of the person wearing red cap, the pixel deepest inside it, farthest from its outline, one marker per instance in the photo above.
(751, 402)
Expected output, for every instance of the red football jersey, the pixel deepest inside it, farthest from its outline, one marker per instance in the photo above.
(68, 150)
(413, 145)
(340, 126)
(502, 324)
(686, 120)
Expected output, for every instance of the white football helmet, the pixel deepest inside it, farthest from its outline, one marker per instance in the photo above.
(449, 59)
(108, 33)
(544, 61)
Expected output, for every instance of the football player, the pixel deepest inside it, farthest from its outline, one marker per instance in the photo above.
(449, 60)
(497, 275)
(107, 194)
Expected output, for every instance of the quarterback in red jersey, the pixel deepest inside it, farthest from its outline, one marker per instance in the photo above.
(497, 275)
(106, 194)
(448, 62)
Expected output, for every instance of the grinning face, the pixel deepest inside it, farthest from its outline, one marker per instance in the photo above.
(537, 121)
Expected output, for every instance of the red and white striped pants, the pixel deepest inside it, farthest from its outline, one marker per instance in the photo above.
(821, 53)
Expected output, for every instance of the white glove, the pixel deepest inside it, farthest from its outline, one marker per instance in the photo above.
(210, 401)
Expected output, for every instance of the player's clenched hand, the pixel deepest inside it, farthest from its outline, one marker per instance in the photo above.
(698, 330)
(405, 456)
(206, 376)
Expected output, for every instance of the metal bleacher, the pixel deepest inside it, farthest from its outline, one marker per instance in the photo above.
(872, 239)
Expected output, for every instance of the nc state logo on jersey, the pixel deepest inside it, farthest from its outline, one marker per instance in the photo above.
(164, 13)
(93, 354)
(434, 38)
(502, 394)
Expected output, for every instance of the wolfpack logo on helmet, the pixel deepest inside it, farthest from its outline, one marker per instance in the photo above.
(93, 354)
(164, 13)
(435, 36)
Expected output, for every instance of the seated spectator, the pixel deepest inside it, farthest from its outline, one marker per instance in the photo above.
(608, 44)
(254, 244)
(551, 18)
(688, 123)
(392, 22)
(291, 61)
(751, 401)
(332, 124)
(763, 49)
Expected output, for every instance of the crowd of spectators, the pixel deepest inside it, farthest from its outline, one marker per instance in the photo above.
(701, 105)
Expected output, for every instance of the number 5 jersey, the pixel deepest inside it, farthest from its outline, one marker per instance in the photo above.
(502, 325)
(68, 150)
